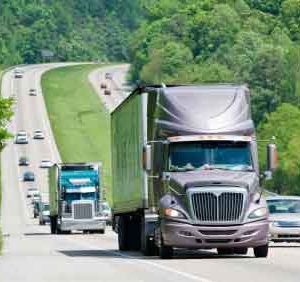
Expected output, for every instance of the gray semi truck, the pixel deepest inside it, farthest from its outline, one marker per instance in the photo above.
(185, 171)
(74, 192)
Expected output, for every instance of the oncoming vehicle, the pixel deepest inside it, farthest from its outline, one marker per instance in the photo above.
(21, 137)
(28, 176)
(107, 92)
(106, 212)
(45, 163)
(284, 218)
(23, 161)
(32, 92)
(74, 191)
(186, 171)
(44, 213)
(18, 73)
(38, 134)
(103, 85)
(36, 197)
(31, 191)
(108, 75)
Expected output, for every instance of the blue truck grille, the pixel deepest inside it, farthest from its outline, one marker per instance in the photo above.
(83, 211)
(224, 207)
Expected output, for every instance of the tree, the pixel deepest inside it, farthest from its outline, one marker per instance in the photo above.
(6, 114)
(291, 17)
(165, 63)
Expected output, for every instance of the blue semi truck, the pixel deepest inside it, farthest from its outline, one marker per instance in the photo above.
(74, 192)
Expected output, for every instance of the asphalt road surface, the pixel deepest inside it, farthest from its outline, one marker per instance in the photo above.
(32, 254)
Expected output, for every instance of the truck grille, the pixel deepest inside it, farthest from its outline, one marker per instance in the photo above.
(83, 210)
(217, 207)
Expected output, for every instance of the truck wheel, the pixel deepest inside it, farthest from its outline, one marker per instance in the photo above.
(53, 224)
(134, 231)
(261, 251)
(148, 246)
(101, 231)
(123, 233)
(165, 252)
(225, 251)
(240, 251)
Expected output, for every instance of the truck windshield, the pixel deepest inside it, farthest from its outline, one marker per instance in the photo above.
(79, 196)
(227, 155)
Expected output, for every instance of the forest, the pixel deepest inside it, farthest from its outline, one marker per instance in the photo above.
(70, 30)
(234, 41)
(179, 41)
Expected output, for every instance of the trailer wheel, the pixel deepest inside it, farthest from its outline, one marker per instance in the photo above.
(53, 224)
(165, 252)
(261, 251)
(123, 233)
(134, 233)
(148, 245)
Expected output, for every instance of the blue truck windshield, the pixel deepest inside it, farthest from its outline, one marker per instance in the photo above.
(69, 197)
(227, 155)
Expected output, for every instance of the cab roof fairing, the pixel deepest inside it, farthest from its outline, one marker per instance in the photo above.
(199, 110)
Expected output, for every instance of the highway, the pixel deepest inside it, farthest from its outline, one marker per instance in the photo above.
(32, 254)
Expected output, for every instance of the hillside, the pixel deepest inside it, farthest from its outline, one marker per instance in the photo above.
(241, 41)
(70, 30)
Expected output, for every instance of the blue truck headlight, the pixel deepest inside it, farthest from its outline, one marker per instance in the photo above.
(258, 213)
(173, 213)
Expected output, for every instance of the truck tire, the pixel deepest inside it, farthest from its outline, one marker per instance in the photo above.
(240, 251)
(165, 252)
(261, 251)
(123, 233)
(148, 246)
(101, 231)
(53, 224)
(135, 233)
(225, 251)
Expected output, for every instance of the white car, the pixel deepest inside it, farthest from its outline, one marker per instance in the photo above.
(36, 197)
(22, 137)
(284, 218)
(45, 163)
(38, 134)
(108, 75)
(44, 213)
(32, 92)
(31, 191)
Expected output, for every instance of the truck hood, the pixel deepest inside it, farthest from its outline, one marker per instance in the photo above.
(185, 180)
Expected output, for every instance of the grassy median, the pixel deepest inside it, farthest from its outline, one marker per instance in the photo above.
(1, 235)
(78, 119)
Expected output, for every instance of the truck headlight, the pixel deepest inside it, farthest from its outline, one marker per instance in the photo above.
(174, 213)
(258, 213)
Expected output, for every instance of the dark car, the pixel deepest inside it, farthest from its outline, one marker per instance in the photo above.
(23, 161)
(28, 176)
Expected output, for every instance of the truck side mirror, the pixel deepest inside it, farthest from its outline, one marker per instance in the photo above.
(147, 157)
(272, 156)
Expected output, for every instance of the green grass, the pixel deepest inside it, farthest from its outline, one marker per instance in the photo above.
(1, 235)
(78, 119)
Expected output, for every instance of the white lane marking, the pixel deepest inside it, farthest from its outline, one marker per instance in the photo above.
(134, 260)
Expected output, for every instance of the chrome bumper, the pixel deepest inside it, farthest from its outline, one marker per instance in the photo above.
(67, 224)
(183, 235)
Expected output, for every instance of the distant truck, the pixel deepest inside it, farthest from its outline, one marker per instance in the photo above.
(185, 171)
(74, 192)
